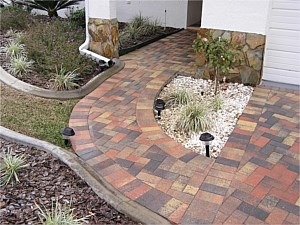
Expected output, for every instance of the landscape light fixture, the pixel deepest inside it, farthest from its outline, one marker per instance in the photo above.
(207, 138)
(66, 133)
(159, 106)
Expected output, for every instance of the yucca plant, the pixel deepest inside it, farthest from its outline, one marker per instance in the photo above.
(217, 103)
(10, 168)
(20, 65)
(59, 215)
(51, 6)
(180, 97)
(19, 37)
(14, 49)
(194, 118)
(11, 33)
(64, 80)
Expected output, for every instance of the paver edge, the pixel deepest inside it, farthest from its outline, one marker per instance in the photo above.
(17, 84)
(85, 172)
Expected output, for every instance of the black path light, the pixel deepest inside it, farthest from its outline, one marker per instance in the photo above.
(159, 106)
(66, 133)
(207, 138)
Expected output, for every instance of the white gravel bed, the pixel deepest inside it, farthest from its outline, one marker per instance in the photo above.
(236, 97)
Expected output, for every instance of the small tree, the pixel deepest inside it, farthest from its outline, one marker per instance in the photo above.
(219, 53)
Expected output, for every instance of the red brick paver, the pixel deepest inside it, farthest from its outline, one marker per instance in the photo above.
(255, 179)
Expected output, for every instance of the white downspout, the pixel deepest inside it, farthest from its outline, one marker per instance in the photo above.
(83, 49)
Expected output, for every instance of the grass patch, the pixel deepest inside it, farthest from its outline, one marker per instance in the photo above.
(34, 116)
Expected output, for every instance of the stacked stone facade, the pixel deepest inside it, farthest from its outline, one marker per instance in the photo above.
(104, 37)
(250, 70)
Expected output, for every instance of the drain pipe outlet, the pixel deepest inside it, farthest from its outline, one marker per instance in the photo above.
(83, 49)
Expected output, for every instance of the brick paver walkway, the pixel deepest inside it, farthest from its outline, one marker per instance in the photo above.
(254, 180)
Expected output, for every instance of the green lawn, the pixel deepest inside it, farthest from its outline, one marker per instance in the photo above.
(33, 116)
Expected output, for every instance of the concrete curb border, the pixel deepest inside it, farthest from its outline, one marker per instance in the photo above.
(17, 84)
(84, 171)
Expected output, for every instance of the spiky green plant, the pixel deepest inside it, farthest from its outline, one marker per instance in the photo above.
(14, 49)
(19, 37)
(217, 103)
(194, 118)
(180, 97)
(10, 168)
(59, 215)
(64, 80)
(51, 6)
(11, 33)
(20, 65)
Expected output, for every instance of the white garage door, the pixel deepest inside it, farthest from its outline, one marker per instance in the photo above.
(282, 57)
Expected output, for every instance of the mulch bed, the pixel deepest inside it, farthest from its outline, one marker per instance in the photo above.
(131, 43)
(34, 78)
(42, 182)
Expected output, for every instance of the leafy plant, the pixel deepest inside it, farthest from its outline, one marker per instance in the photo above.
(59, 215)
(217, 103)
(14, 49)
(64, 80)
(11, 167)
(50, 6)
(77, 17)
(194, 118)
(180, 97)
(220, 53)
(20, 65)
(16, 18)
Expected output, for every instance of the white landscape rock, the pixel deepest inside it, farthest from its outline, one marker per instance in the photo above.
(235, 97)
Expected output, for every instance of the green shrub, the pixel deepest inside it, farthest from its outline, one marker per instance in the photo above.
(15, 18)
(77, 17)
(180, 97)
(59, 215)
(194, 118)
(217, 103)
(19, 65)
(57, 43)
(64, 80)
(14, 49)
(10, 168)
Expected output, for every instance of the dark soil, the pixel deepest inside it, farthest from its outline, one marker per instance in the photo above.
(42, 182)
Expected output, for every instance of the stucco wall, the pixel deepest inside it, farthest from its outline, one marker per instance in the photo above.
(155, 9)
(236, 15)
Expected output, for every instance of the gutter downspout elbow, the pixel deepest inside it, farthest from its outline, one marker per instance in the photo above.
(83, 49)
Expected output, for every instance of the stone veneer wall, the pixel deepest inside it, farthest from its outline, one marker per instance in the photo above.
(250, 70)
(104, 37)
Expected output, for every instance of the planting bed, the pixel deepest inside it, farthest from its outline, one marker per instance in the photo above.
(42, 182)
(223, 121)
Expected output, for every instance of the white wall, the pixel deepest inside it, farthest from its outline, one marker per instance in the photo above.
(104, 9)
(236, 15)
(155, 9)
